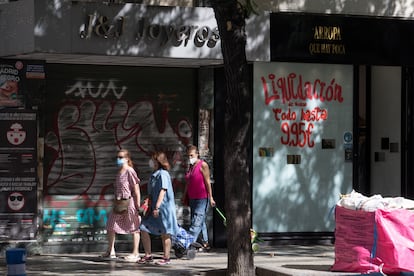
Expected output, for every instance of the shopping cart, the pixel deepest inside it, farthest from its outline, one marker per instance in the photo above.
(184, 244)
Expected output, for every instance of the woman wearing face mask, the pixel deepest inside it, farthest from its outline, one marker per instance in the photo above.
(126, 188)
(199, 193)
(162, 221)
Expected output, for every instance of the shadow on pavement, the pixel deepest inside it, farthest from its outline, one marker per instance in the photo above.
(323, 268)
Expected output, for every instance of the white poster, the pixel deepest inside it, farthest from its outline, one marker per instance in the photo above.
(302, 144)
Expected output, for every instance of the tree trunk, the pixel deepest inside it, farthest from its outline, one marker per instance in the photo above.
(237, 141)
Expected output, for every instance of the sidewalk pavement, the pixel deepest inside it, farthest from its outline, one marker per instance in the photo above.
(281, 260)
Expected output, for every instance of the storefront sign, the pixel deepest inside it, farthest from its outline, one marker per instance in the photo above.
(341, 39)
(301, 112)
(327, 40)
(293, 91)
(176, 35)
(136, 29)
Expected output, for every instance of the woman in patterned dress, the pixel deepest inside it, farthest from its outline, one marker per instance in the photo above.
(126, 187)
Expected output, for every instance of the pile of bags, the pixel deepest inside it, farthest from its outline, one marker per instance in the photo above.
(374, 234)
(357, 201)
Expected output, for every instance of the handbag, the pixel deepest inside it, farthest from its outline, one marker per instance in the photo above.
(145, 208)
(121, 205)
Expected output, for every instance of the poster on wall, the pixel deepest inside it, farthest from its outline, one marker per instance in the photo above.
(18, 174)
(14, 76)
(301, 161)
(10, 80)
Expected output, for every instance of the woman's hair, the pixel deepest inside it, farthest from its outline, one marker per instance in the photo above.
(127, 155)
(192, 147)
(162, 160)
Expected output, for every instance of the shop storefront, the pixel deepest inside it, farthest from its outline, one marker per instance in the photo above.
(332, 101)
(95, 110)
(332, 113)
(116, 76)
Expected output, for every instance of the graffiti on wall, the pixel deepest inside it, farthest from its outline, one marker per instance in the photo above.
(87, 134)
(91, 124)
(103, 90)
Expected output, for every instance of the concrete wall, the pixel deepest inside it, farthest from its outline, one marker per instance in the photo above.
(16, 27)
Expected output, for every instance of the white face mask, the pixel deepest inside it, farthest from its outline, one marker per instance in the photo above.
(151, 164)
(193, 160)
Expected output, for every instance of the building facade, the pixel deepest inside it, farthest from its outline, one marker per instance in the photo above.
(98, 77)
(331, 92)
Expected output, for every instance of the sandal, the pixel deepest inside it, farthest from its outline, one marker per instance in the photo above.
(164, 262)
(131, 258)
(146, 260)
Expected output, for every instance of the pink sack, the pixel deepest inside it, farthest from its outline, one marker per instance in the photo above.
(354, 241)
(395, 243)
(374, 241)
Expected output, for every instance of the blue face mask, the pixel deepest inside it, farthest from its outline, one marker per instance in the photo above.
(120, 162)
